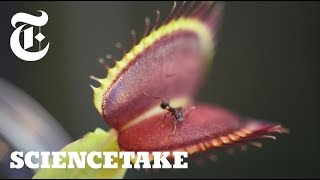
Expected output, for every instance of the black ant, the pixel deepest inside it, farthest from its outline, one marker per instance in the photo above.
(176, 112)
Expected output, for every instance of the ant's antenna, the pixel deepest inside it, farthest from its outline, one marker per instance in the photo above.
(153, 97)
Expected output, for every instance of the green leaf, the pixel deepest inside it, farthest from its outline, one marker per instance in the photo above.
(99, 140)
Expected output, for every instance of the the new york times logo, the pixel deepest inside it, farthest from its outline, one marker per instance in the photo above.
(28, 36)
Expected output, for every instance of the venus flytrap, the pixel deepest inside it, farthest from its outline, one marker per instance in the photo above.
(170, 63)
(96, 141)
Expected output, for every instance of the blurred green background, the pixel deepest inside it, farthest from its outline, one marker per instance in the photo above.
(266, 66)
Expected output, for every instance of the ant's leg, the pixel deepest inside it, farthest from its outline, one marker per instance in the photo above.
(189, 111)
(175, 126)
(164, 118)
